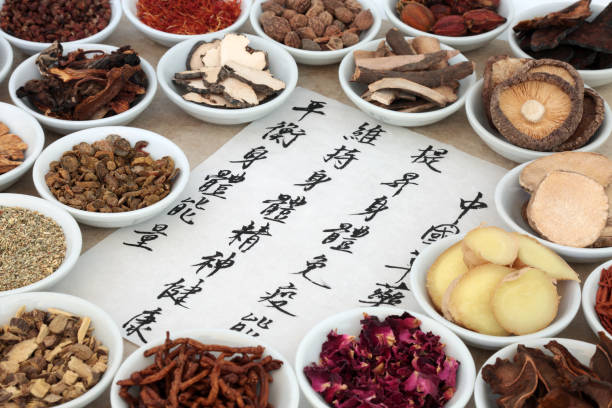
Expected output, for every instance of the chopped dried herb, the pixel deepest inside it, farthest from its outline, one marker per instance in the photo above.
(12, 150)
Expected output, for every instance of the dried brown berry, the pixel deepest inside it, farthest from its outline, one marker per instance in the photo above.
(482, 20)
(452, 26)
(349, 38)
(273, 6)
(299, 20)
(326, 18)
(263, 17)
(341, 26)
(353, 5)
(417, 16)
(315, 10)
(331, 30)
(317, 25)
(276, 27)
(288, 14)
(363, 21)
(292, 39)
(301, 6)
(306, 33)
(331, 5)
(343, 14)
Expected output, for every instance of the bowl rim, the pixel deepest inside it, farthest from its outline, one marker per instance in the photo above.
(445, 111)
(74, 138)
(419, 268)
(70, 229)
(114, 361)
(148, 30)
(588, 303)
(116, 14)
(39, 135)
(173, 95)
(517, 51)
(83, 124)
(327, 54)
(462, 40)
(212, 334)
(6, 46)
(498, 141)
(466, 359)
(481, 387)
(506, 218)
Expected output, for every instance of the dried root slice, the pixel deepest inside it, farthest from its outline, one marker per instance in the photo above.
(444, 270)
(489, 245)
(398, 43)
(425, 44)
(568, 209)
(199, 50)
(470, 299)
(558, 68)
(593, 114)
(409, 87)
(605, 238)
(532, 253)
(525, 301)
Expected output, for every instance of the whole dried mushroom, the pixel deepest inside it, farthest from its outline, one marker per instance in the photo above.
(110, 176)
(48, 358)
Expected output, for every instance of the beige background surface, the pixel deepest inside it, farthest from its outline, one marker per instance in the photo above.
(199, 140)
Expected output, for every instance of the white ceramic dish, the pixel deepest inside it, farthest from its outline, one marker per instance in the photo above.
(284, 391)
(348, 322)
(589, 292)
(320, 57)
(27, 70)
(72, 234)
(31, 47)
(105, 330)
(568, 306)
(6, 58)
(354, 91)
(281, 64)
(496, 142)
(484, 397)
(169, 39)
(594, 78)
(28, 129)
(158, 147)
(465, 43)
(509, 200)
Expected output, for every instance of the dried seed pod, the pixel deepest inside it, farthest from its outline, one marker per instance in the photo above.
(326, 18)
(331, 30)
(299, 20)
(277, 28)
(363, 21)
(344, 14)
(273, 6)
(301, 6)
(288, 14)
(292, 39)
(349, 38)
(452, 26)
(306, 33)
(317, 26)
(418, 16)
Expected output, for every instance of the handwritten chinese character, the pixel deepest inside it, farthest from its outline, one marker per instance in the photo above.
(366, 136)
(185, 211)
(346, 236)
(280, 298)
(429, 157)
(148, 236)
(406, 269)
(251, 234)
(317, 177)
(313, 107)
(318, 262)
(468, 205)
(406, 179)
(437, 232)
(215, 263)
(255, 154)
(379, 204)
(141, 322)
(342, 157)
(262, 323)
(386, 295)
(217, 184)
(179, 293)
(279, 209)
(284, 133)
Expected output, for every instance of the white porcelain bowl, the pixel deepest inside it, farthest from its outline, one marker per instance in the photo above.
(348, 322)
(27, 70)
(284, 391)
(282, 66)
(105, 330)
(158, 147)
(592, 77)
(307, 57)
(484, 397)
(354, 90)
(509, 200)
(589, 292)
(6, 58)
(31, 47)
(465, 43)
(72, 235)
(169, 39)
(568, 306)
(28, 129)
(496, 142)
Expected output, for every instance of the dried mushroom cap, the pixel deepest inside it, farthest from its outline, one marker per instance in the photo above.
(536, 111)
(497, 70)
(593, 114)
(558, 68)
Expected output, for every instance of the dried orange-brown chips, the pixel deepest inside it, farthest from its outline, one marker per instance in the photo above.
(12, 150)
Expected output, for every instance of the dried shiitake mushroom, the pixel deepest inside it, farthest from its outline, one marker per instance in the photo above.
(558, 68)
(536, 111)
(593, 114)
(498, 69)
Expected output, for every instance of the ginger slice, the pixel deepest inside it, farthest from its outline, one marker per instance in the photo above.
(594, 165)
(568, 209)
(489, 245)
(448, 266)
(532, 253)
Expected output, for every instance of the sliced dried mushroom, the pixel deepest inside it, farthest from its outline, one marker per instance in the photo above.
(497, 70)
(536, 111)
(558, 68)
(593, 114)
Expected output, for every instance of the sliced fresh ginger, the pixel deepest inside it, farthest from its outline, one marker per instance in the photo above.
(532, 253)
(469, 302)
(444, 270)
(446, 300)
(489, 245)
(525, 301)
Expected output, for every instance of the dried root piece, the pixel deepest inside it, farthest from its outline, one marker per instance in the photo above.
(593, 114)
(12, 150)
(532, 253)
(568, 209)
(447, 267)
(410, 87)
(548, 38)
(489, 245)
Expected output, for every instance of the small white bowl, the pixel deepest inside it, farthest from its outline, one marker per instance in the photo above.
(509, 200)
(484, 397)
(28, 129)
(568, 306)
(354, 91)
(158, 147)
(72, 235)
(169, 39)
(6, 58)
(348, 322)
(589, 292)
(31, 47)
(307, 57)
(105, 330)
(592, 77)
(284, 391)
(496, 142)
(282, 66)
(27, 70)
(465, 43)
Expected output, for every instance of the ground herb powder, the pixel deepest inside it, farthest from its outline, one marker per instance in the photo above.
(32, 246)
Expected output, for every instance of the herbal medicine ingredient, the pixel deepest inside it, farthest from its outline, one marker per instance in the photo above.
(603, 299)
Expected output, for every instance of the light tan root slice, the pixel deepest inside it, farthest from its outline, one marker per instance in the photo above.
(448, 266)
(532, 253)
(489, 245)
